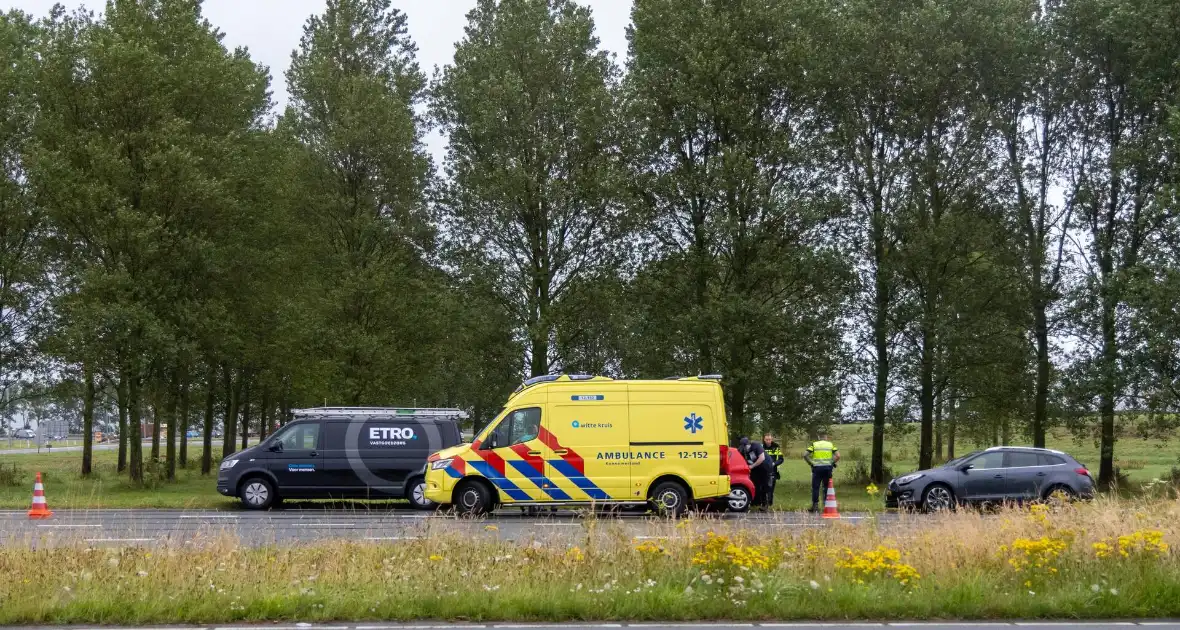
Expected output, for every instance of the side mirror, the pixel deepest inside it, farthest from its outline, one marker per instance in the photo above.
(277, 447)
(966, 467)
(493, 441)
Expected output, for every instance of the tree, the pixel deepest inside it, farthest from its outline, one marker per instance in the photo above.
(1030, 122)
(24, 270)
(138, 114)
(726, 146)
(1124, 53)
(361, 171)
(531, 158)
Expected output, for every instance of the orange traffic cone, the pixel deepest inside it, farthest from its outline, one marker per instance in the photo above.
(40, 509)
(830, 508)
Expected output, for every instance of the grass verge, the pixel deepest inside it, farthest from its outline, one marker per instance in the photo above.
(1108, 559)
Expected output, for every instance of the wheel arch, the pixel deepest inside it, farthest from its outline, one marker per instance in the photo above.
(493, 492)
(255, 473)
(675, 479)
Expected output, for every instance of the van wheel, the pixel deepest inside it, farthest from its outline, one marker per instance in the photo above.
(669, 498)
(257, 493)
(416, 493)
(472, 498)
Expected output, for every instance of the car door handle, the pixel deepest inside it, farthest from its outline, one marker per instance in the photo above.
(534, 453)
(561, 452)
(997, 476)
(1041, 474)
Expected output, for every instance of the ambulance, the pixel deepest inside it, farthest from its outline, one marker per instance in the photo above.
(580, 439)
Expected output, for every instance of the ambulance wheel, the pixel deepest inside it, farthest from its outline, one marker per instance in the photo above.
(257, 493)
(473, 498)
(670, 498)
(416, 493)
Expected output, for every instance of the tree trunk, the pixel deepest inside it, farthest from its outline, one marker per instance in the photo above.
(170, 403)
(881, 343)
(1107, 480)
(122, 394)
(950, 430)
(207, 428)
(1005, 430)
(246, 413)
(183, 418)
(135, 419)
(155, 429)
(938, 403)
(230, 425)
(926, 398)
(87, 421)
(1041, 401)
(264, 428)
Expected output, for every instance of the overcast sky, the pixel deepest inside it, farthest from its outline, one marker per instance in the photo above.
(271, 29)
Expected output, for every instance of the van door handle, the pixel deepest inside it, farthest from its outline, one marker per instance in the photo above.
(1041, 474)
(534, 453)
(561, 452)
(314, 454)
(998, 477)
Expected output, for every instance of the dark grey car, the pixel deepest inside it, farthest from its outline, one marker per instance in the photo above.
(995, 475)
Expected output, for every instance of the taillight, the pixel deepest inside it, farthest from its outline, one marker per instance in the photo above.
(723, 469)
(1082, 471)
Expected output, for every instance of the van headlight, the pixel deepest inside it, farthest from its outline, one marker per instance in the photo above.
(229, 463)
(441, 463)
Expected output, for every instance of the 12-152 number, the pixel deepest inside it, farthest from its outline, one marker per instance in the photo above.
(694, 454)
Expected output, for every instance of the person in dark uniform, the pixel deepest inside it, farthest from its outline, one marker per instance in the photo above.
(760, 470)
(774, 452)
(822, 456)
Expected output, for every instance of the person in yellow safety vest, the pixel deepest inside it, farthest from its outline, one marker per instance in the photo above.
(822, 456)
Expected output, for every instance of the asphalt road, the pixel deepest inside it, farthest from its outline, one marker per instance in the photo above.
(301, 524)
(1031, 625)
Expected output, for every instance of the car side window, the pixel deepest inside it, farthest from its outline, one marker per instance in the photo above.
(1020, 459)
(1049, 460)
(994, 459)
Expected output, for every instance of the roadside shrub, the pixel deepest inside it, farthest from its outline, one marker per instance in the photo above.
(856, 454)
(882, 562)
(1130, 464)
(11, 476)
(859, 474)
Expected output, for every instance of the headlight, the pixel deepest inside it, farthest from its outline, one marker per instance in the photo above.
(441, 464)
(901, 481)
(229, 463)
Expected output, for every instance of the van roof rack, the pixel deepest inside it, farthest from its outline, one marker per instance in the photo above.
(411, 412)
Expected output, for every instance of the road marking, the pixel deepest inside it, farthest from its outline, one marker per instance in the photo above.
(209, 516)
(819, 625)
(69, 525)
(119, 539)
(393, 538)
(323, 524)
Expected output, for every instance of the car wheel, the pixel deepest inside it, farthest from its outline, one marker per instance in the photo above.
(669, 498)
(472, 498)
(739, 499)
(1060, 494)
(938, 498)
(416, 493)
(257, 493)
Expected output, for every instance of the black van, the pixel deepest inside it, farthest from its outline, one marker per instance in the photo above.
(342, 453)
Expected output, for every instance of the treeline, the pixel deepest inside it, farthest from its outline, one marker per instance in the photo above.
(960, 211)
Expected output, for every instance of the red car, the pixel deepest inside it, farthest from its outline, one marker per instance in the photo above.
(741, 489)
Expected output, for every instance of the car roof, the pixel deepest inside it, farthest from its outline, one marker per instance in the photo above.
(1031, 449)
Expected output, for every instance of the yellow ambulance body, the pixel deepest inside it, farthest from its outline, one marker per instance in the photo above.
(582, 439)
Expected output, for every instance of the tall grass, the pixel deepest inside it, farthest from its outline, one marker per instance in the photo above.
(1107, 559)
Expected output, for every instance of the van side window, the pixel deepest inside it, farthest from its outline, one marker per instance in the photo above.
(518, 427)
(299, 437)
